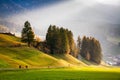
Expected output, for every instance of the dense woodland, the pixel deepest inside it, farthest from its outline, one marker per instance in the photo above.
(60, 41)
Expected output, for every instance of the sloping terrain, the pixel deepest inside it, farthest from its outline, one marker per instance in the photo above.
(14, 53)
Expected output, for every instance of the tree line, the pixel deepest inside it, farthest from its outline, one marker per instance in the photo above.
(91, 49)
(60, 41)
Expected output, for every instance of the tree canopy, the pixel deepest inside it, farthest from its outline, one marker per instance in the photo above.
(91, 49)
(27, 34)
(59, 40)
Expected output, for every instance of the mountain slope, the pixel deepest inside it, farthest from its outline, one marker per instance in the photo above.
(14, 53)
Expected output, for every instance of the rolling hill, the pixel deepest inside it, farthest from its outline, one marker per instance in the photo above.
(14, 53)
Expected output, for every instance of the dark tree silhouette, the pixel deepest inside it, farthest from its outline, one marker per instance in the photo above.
(27, 34)
(59, 40)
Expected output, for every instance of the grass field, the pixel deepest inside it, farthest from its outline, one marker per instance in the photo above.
(59, 74)
(42, 66)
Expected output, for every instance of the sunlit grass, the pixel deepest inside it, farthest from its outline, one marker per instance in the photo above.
(26, 56)
(98, 69)
(43, 66)
(6, 40)
(12, 56)
(59, 74)
(16, 56)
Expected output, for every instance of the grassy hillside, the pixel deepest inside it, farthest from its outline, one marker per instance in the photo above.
(8, 40)
(14, 53)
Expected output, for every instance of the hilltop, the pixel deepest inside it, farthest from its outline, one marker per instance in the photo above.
(14, 53)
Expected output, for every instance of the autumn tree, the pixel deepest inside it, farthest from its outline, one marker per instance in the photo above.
(70, 41)
(91, 50)
(27, 34)
(78, 45)
(75, 51)
(96, 52)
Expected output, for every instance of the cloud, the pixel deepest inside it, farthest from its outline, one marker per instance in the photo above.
(59, 14)
(83, 17)
(3, 29)
(109, 2)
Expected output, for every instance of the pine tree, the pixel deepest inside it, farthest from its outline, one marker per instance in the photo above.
(84, 47)
(64, 39)
(57, 40)
(27, 34)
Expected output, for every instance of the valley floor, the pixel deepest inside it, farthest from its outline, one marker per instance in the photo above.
(83, 73)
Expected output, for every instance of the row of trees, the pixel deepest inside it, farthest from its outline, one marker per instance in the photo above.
(60, 41)
(91, 49)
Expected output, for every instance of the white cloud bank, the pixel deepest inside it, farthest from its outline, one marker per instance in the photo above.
(83, 17)
(61, 14)
(109, 2)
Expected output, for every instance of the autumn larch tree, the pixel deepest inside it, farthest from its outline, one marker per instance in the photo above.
(70, 41)
(91, 50)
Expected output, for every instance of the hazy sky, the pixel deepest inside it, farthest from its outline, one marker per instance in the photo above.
(78, 15)
(97, 18)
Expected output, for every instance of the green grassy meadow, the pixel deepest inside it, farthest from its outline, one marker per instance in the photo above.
(42, 66)
(58, 74)
(12, 55)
